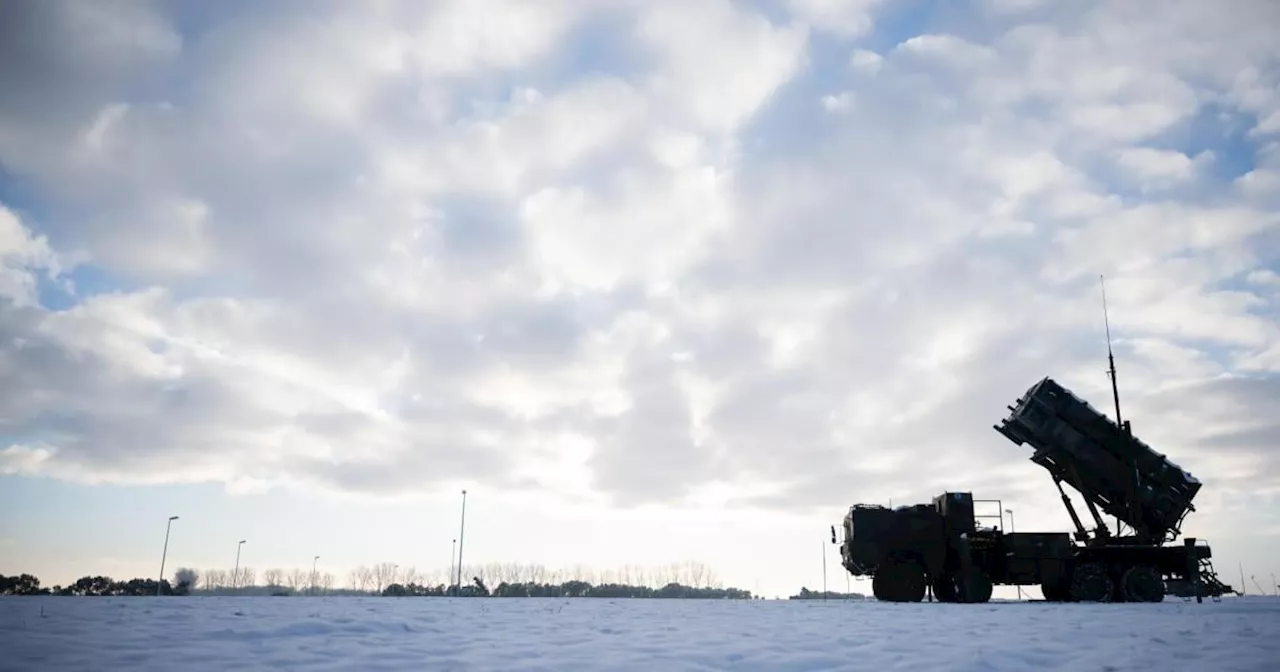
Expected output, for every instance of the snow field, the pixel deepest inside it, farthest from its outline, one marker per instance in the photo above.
(346, 633)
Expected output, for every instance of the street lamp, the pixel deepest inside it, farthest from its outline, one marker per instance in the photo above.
(313, 574)
(235, 575)
(1013, 529)
(824, 570)
(164, 554)
(461, 536)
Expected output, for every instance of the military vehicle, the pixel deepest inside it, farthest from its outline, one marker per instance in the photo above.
(938, 549)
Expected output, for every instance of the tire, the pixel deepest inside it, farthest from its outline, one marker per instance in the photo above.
(1055, 592)
(1091, 583)
(899, 581)
(944, 588)
(1142, 583)
(974, 586)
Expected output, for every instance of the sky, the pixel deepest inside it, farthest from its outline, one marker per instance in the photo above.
(653, 281)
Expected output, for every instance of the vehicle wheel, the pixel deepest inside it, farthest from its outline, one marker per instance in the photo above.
(1142, 583)
(1090, 583)
(1055, 592)
(973, 586)
(944, 588)
(899, 581)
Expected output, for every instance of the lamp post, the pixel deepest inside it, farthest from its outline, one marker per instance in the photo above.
(164, 554)
(824, 570)
(313, 574)
(235, 575)
(461, 536)
(1013, 529)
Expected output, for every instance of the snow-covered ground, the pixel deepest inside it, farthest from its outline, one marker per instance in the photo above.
(228, 633)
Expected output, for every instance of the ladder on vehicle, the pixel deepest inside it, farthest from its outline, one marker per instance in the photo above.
(1212, 586)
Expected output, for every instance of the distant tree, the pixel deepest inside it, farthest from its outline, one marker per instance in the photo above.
(384, 574)
(22, 584)
(186, 579)
(697, 572)
(298, 579)
(274, 578)
(366, 578)
(215, 579)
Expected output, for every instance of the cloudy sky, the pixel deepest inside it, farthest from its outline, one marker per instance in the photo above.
(653, 280)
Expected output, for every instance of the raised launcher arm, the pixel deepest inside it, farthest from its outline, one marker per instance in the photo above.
(1114, 470)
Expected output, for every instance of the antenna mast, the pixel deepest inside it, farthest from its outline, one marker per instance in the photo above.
(1111, 359)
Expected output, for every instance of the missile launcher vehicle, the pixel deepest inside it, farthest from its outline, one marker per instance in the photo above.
(940, 550)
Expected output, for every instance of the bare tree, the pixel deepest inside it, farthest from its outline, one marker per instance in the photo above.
(326, 582)
(696, 572)
(384, 574)
(274, 578)
(297, 579)
(214, 579)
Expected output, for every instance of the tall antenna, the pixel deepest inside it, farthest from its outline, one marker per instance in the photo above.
(1111, 359)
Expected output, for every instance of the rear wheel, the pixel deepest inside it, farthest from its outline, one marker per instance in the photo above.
(1142, 583)
(1091, 583)
(899, 580)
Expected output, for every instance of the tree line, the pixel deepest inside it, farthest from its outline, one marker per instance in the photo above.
(675, 580)
(28, 584)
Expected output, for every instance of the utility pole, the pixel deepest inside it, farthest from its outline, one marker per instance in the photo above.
(164, 554)
(461, 536)
(235, 575)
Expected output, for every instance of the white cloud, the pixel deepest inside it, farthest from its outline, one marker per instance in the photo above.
(837, 103)
(948, 50)
(847, 18)
(717, 64)
(1158, 169)
(865, 61)
(1012, 6)
(628, 268)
